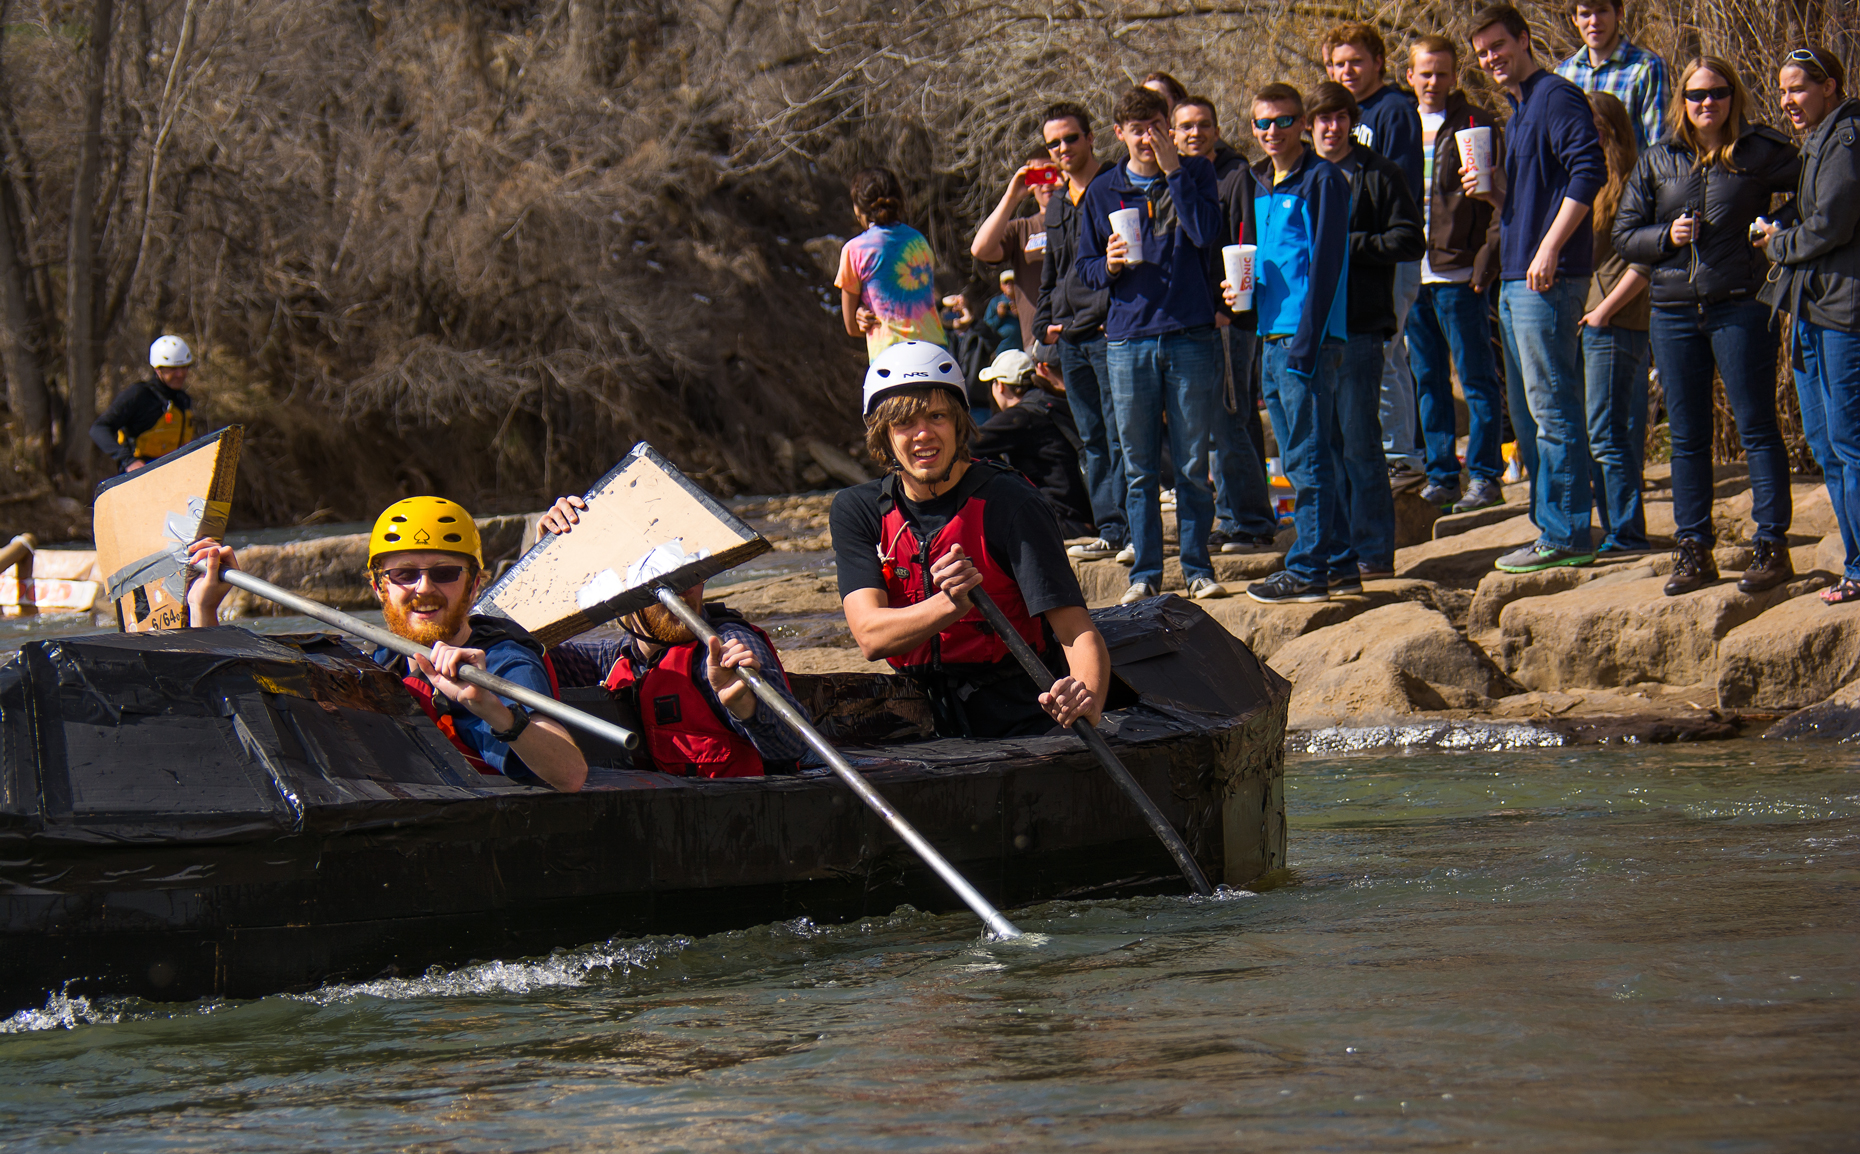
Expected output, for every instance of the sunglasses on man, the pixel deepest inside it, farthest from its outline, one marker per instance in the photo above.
(1068, 138)
(1701, 95)
(407, 576)
(1285, 120)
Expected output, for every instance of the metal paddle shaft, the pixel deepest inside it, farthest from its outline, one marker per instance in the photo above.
(771, 697)
(470, 674)
(1094, 741)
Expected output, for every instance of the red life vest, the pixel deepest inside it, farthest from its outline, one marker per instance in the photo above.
(907, 561)
(485, 632)
(685, 733)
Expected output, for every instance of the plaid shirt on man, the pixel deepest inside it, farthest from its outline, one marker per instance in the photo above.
(1635, 75)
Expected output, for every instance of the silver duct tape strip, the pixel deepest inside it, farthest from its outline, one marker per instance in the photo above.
(203, 518)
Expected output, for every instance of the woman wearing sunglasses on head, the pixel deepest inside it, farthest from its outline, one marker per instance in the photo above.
(1817, 282)
(426, 565)
(1686, 212)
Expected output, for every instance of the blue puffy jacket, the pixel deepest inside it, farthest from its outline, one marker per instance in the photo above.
(1302, 269)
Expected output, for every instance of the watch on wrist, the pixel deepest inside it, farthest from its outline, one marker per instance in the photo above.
(520, 721)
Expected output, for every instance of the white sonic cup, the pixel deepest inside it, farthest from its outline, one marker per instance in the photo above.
(1239, 260)
(1475, 146)
(1128, 223)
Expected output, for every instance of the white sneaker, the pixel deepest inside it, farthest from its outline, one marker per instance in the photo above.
(1127, 555)
(1096, 549)
(1138, 591)
(1204, 589)
(1167, 499)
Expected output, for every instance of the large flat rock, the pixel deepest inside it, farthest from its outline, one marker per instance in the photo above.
(1602, 635)
(1836, 719)
(1792, 656)
(1464, 558)
(1267, 628)
(1409, 636)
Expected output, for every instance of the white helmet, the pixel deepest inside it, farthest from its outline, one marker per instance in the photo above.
(170, 353)
(913, 365)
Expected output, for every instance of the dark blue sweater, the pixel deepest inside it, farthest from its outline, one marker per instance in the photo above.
(1552, 153)
(1391, 125)
(1169, 291)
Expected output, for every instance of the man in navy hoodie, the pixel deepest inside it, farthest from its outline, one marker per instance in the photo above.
(1301, 210)
(1164, 354)
(1554, 168)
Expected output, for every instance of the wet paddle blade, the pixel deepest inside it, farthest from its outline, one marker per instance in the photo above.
(144, 521)
(645, 522)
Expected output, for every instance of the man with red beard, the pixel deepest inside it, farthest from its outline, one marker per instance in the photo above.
(426, 566)
(911, 546)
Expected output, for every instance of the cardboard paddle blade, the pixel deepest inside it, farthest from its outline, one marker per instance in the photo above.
(645, 523)
(144, 521)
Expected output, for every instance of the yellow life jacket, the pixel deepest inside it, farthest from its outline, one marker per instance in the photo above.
(174, 429)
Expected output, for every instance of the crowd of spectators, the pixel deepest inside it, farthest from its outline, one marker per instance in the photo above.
(1618, 225)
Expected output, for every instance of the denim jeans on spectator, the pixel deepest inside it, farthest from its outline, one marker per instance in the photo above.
(1242, 493)
(1401, 426)
(1614, 367)
(1178, 374)
(1368, 503)
(1088, 393)
(1828, 385)
(1304, 418)
(1450, 328)
(1542, 341)
(1739, 339)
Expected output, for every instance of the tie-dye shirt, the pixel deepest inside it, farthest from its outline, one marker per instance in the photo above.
(892, 271)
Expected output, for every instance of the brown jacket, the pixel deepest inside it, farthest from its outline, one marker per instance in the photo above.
(1462, 231)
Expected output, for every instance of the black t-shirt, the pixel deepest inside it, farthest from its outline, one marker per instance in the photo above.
(1039, 438)
(1018, 530)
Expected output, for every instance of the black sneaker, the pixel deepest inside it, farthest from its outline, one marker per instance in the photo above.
(1534, 558)
(1346, 585)
(1770, 568)
(1403, 476)
(1481, 494)
(1440, 496)
(1693, 568)
(1221, 541)
(1283, 588)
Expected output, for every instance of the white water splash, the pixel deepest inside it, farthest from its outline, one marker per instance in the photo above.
(60, 1012)
(558, 971)
(1473, 736)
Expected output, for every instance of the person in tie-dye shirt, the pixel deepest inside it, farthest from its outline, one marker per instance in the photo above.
(887, 275)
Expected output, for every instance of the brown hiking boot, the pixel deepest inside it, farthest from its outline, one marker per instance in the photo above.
(1770, 568)
(1693, 568)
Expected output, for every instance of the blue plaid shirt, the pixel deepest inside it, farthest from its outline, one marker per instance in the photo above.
(1635, 75)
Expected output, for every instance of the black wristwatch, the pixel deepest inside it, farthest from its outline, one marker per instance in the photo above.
(520, 723)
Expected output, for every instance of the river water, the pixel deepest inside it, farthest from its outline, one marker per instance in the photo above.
(1558, 949)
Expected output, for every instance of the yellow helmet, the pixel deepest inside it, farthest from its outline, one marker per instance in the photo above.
(425, 523)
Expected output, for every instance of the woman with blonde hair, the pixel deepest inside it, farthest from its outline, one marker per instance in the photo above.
(1687, 213)
(1614, 352)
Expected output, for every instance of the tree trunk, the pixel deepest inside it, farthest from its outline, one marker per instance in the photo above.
(20, 334)
(81, 337)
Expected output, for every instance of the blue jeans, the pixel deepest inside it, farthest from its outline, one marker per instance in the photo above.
(1450, 328)
(1368, 502)
(1544, 349)
(1304, 417)
(1828, 385)
(1614, 364)
(1242, 496)
(1088, 393)
(1179, 374)
(1739, 339)
(1401, 431)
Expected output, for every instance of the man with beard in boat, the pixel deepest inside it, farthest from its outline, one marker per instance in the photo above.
(698, 717)
(911, 546)
(426, 565)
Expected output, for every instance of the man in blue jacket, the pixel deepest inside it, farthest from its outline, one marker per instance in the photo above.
(1554, 168)
(1164, 354)
(1302, 213)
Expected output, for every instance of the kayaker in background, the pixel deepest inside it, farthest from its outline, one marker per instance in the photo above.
(912, 545)
(150, 418)
(426, 565)
(699, 718)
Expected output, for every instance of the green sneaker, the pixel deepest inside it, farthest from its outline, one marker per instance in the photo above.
(1532, 558)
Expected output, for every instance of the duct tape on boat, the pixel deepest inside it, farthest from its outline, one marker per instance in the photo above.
(203, 518)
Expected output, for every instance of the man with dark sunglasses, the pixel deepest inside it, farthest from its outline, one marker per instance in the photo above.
(1071, 317)
(426, 565)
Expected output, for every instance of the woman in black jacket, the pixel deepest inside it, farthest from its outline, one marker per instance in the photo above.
(1687, 213)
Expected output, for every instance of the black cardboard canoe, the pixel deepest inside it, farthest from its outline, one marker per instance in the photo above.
(212, 812)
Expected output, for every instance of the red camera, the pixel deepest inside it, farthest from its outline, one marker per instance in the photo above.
(1042, 174)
